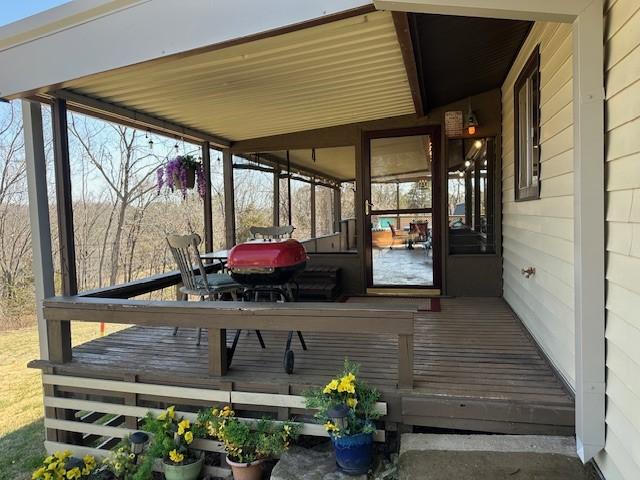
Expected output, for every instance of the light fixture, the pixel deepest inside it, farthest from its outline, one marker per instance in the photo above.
(138, 441)
(471, 121)
(338, 415)
(461, 173)
(477, 144)
(485, 163)
(467, 163)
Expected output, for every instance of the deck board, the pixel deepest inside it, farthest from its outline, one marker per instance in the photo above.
(473, 352)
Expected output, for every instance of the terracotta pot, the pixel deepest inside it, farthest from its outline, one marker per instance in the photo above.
(190, 471)
(191, 179)
(246, 471)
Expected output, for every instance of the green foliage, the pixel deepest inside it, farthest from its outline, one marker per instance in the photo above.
(246, 442)
(348, 390)
(122, 462)
(171, 440)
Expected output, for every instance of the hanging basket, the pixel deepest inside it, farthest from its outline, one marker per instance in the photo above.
(191, 179)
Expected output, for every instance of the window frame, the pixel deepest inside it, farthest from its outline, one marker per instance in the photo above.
(531, 69)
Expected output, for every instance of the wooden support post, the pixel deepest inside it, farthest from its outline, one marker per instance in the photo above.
(51, 435)
(405, 361)
(36, 166)
(476, 197)
(337, 209)
(289, 211)
(63, 197)
(208, 214)
(276, 196)
(229, 201)
(217, 351)
(59, 336)
(313, 207)
(468, 199)
(131, 399)
(283, 412)
(59, 332)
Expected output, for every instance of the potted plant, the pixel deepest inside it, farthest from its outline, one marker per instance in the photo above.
(122, 462)
(181, 173)
(246, 443)
(62, 466)
(346, 406)
(171, 441)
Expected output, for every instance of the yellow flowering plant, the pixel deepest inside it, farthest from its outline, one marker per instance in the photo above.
(63, 466)
(246, 442)
(122, 462)
(172, 437)
(350, 391)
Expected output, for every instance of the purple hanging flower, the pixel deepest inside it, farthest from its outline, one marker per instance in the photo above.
(202, 184)
(159, 179)
(177, 172)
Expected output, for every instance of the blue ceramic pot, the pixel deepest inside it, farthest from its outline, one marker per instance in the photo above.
(354, 453)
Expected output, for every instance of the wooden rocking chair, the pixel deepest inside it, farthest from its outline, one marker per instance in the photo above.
(207, 286)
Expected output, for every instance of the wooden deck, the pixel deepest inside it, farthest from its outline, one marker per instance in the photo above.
(475, 367)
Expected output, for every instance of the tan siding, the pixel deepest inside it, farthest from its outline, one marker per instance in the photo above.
(621, 457)
(539, 233)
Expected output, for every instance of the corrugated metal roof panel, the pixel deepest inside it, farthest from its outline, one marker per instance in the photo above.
(346, 71)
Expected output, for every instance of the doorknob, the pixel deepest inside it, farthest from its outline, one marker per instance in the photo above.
(367, 207)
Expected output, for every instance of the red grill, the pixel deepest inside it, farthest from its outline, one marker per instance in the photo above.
(270, 262)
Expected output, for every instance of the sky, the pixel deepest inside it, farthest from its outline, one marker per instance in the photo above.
(12, 10)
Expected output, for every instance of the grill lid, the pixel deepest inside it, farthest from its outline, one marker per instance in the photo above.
(261, 254)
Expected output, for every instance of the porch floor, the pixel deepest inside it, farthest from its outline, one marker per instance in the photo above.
(475, 367)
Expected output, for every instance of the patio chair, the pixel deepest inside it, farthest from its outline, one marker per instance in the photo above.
(272, 233)
(207, 286)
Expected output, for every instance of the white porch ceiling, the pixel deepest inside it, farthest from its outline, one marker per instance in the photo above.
(346, 71)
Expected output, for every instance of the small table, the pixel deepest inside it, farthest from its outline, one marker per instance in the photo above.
(220, 256)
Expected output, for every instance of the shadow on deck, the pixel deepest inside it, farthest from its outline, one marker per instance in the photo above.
(475, 367)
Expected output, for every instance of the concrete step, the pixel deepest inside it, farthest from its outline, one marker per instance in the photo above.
(489, 457)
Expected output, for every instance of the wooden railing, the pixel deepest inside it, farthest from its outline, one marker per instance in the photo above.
(218, 316)
(64, 426)
(144, 285)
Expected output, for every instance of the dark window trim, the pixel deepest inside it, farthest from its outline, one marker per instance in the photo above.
(531, 67)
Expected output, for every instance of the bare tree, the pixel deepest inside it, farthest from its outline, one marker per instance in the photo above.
(127, 174)
(14, 231)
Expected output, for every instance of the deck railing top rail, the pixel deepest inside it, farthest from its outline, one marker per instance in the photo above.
(218, 316)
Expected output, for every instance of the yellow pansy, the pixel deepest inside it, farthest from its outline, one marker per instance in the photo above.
(346, 384)
(74, 474)
(330, 427)
(188, 437)
(38, 473)
(183, 426)
(175, 456)
(62, 455)
(352, 402)
(331, 386)
(227, 412)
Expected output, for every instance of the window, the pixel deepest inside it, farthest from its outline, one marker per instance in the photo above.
(527, 130)
(471, 187)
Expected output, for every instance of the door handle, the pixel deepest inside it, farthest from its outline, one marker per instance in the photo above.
(367, 207)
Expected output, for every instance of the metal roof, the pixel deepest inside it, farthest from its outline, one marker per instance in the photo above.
(346, 71)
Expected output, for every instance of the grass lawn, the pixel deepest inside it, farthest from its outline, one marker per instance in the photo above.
(21, 428)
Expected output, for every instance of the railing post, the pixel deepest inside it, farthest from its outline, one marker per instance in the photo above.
(217, 351)
(59, 336)
(405, 361)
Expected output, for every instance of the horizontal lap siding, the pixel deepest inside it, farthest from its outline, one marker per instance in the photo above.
(539, 233)
(621, 457)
